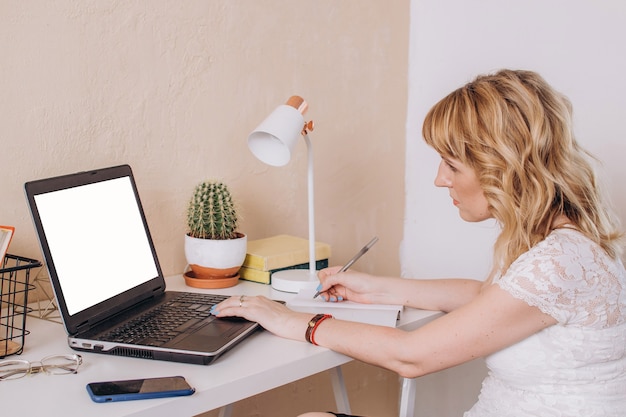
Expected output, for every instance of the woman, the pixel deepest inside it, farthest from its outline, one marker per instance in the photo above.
(551, 317)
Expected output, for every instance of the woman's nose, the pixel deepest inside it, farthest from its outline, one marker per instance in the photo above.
(442, 179)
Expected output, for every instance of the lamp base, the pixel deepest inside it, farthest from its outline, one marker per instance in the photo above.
(294, 280)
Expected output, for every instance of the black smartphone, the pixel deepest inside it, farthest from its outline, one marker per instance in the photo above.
(139, 389)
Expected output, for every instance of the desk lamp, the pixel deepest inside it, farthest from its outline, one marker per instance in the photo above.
(273, 142)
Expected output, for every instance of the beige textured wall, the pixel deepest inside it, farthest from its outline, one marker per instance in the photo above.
(173, 88)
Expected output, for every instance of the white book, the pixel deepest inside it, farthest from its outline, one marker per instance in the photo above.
(380, 314)
(6, 233)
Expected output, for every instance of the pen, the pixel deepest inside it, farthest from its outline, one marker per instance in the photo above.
(354, 259)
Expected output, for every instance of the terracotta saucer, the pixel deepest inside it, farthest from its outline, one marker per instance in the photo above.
(193, 281)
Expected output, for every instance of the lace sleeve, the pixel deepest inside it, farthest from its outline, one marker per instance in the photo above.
(570, 278)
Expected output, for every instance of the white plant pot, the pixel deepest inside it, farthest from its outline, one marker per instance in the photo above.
(210, 258)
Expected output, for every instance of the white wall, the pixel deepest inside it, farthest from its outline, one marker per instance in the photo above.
(577, 45)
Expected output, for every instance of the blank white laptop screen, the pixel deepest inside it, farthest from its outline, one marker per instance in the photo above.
(97, 239)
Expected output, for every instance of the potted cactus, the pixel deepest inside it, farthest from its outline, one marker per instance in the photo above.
(214, 249)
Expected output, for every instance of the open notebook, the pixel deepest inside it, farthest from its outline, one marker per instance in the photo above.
(380, 314)
(106, 275)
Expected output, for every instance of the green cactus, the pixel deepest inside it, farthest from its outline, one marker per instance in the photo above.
(211, 213)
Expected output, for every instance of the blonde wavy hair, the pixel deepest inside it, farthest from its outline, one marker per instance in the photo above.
(515, 131)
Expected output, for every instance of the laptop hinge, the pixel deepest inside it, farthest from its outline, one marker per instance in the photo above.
(84, 326)
(111, 318)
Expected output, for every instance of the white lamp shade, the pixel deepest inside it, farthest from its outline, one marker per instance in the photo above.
(274, 139)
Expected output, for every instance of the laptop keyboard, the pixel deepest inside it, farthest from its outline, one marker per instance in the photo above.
(165, 322)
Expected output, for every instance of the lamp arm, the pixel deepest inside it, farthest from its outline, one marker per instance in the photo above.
(309, 147)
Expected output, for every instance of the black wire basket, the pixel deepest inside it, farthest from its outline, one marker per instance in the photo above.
(14, 287)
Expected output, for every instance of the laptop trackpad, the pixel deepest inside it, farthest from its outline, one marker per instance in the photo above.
(210, 337)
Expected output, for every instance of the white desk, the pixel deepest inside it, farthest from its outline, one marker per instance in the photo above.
(260, 363)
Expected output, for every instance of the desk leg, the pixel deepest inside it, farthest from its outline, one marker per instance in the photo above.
(226, 411)
(407, 397)
(339, 388)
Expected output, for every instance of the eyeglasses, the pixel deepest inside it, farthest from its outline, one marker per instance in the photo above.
(51, 365)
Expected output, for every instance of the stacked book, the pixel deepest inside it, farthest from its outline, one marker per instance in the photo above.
(277, 253)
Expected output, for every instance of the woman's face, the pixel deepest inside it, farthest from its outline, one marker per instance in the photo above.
(465, 190)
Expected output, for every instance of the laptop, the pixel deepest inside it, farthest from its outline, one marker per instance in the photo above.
(106, 275)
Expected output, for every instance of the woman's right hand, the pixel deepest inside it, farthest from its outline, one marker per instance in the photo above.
(349, 285)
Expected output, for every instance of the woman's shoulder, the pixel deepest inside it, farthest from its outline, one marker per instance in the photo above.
(567, 256)
(564, 272)
(565, 246)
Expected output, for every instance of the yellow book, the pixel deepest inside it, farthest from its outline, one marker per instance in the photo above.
(255, 275)
(282, 251)
(265, 277)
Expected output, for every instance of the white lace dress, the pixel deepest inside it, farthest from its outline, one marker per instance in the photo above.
(576, 368)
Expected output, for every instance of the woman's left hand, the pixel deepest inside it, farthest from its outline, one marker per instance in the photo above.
(271, 315)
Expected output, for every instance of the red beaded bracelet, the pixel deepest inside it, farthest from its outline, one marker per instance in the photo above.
(312, 326)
